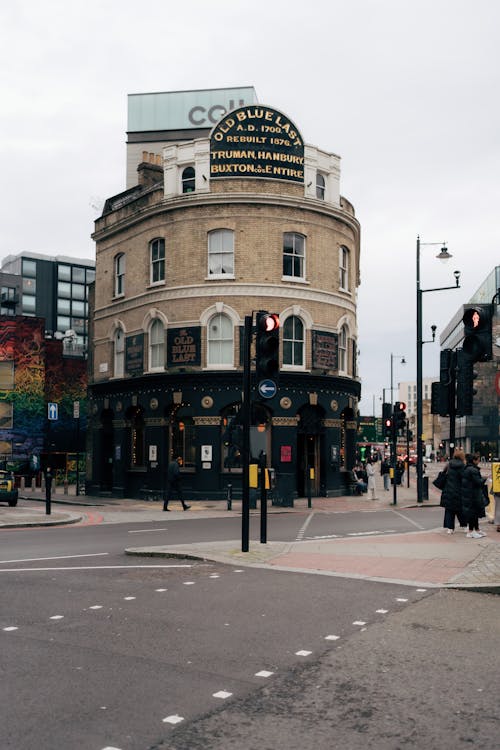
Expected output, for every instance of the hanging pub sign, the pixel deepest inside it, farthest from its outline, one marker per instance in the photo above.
(183, 347)
(325, 347)
(257, 141)
(134, 354)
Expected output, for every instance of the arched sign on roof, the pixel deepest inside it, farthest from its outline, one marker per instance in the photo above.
(257, 141)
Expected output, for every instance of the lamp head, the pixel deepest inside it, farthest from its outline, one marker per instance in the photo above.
(457, 277)
(444, 255)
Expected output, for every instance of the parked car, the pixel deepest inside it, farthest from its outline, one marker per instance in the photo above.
(8, 491)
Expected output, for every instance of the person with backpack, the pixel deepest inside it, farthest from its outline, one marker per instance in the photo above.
(451, 496)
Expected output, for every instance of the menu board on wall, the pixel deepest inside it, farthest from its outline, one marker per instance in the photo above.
(325, 346)
(134, 354)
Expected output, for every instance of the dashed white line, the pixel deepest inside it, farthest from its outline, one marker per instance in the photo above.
(222, 694)
(161, 590)
(174, 719)
(10, 628)
(58, 557)
(303, 653)
(332, 637)
(401, 600)
(145, 531)
(264, 673)
(129, 598)
(381, 611)
(89, 567)
(302, 530)
(359, 622)
(56, 617)
(96, 606)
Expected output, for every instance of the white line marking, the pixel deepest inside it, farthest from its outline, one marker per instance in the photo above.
(111, 748)
(129, 598)
(222, 694)
(410, 520)
(422, 590)
(359, 622)
(371, 533)
(332, 637)
(145, 531)
(325, 536)
(188, 583)
(302, 530)
(263, 673)
(96, 606)
(401, 600)
(382, 611)
(303, 653)
(174, 719)
(10, 628)
(56, 617)
(91, 567)
(160, 590)
(61, 557)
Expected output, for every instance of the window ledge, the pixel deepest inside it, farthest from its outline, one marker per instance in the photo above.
(117, 296)
(295, 279)
(219, 276)
(345, 291)
(154, 284)
(220, 367)
(152, 370)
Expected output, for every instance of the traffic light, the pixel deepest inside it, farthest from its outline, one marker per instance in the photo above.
(388, 428)
(436, 397)
(399, 416)
(444, 400)
(465, 384)
(477, 345)
(267, 346)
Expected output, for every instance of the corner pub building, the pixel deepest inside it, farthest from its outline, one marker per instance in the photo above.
(245, 218)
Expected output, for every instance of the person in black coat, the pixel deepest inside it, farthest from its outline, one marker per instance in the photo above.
(472, 495)
(451, 496)
(174, 484)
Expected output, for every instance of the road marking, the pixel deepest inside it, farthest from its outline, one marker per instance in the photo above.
(263, 673)
(10, 628)
(401, 600)
(222, 694)
(90, 567)
(303, 653)
(381, 611)
(359, 622)
(96, 606)
(302, 530)
(129, 598)
(418, 525)
(160, 590)
(60, 557)
(174, 719)
(422, 590)
(368, 533)
(332, 637)
(325, 536)
(56, 617)
(145, 531)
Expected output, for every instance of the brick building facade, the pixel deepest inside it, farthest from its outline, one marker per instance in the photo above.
(217, 228)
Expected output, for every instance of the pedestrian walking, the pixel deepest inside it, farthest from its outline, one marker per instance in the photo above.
(385, 471)
(48, 489)
(174, 484)
(451, 496)
(370, 473)
(472, 495)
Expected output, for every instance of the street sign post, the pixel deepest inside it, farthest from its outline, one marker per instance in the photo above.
(267, 388)
(52, 411)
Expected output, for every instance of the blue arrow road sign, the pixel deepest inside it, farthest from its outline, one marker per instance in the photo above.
(52, 411)
(267, 388)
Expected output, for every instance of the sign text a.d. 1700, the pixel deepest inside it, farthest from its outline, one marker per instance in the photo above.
(257, 141)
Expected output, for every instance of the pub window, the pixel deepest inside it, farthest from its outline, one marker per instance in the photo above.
(188, 180)
(221, 252)
(156, 345)
(344, 268)
(157, 256)
(220, 340)
(183, 438)
(294, 255)
(119, 274)
(119, 353)
(320, 186)
(5, 415)
(293, 342)
(231, 438)
(343, 349)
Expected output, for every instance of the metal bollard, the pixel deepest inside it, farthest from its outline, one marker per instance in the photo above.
(33, 484)
(229, 496)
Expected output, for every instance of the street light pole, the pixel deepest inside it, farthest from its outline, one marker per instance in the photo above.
(443, 255)
(403, 362)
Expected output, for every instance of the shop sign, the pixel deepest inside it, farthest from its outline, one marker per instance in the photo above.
(325, 346)
(183, 347)
(134, 354)
(257, 141)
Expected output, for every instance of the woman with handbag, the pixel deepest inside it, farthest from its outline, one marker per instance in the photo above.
(451, 496)
(472, 495)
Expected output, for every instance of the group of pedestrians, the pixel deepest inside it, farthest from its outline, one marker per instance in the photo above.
(464, 495)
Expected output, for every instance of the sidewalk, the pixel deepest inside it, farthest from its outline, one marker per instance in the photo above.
(429, 559)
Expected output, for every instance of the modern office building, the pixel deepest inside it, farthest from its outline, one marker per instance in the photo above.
(54, 288)
(218, 226)
(480, 431)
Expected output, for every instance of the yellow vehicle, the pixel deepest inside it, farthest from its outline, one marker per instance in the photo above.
(8, 491)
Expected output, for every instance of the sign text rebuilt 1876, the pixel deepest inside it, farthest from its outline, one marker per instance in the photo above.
(257, 141)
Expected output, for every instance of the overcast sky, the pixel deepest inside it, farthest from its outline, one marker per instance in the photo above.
(407, 93)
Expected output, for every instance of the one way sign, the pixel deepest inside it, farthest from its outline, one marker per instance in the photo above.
(53, 411)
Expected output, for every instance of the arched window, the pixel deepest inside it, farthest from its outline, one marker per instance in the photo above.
(344, 268)
(320, 186)
(157, 260)
(220, 340)
(119, 275)
(188, 180)
(293, 342)
(156, 345)
(343, 336)
(294, 247)
(119, 353)
(220, 252)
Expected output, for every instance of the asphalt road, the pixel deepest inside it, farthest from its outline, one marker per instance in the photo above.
(103, 652)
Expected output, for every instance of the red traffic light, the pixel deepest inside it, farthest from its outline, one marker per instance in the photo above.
(269, 322)
(399, 406)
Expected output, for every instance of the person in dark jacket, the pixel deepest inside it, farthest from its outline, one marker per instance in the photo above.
(472, 495)
(451, 496)
(174, 483)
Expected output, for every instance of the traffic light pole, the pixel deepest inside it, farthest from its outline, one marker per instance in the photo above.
(245, 413)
